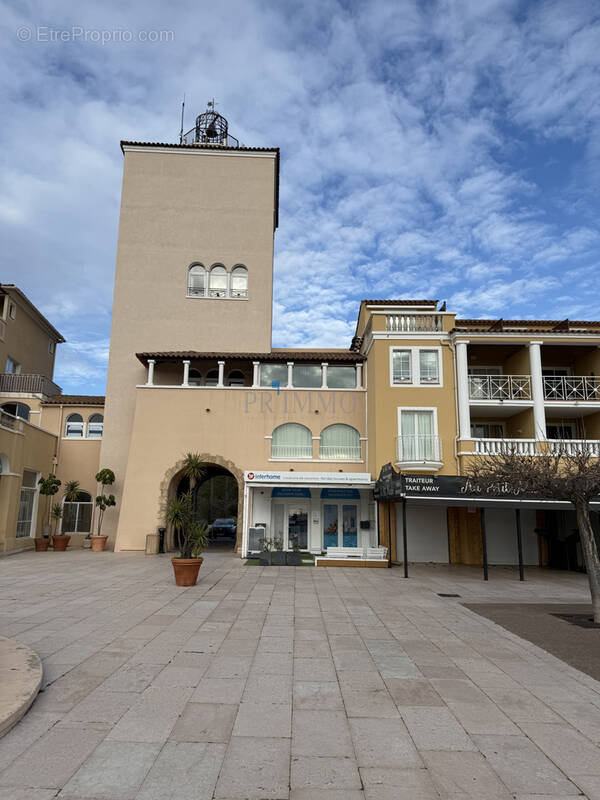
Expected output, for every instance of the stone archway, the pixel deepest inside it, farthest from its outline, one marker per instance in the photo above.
(169, 484)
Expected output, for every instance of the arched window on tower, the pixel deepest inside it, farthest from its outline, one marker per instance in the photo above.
(196, 281)
(74, 426)
(217, 282)
(239, 281)
(94, 426)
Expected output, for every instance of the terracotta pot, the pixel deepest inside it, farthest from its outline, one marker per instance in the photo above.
(41, 544)
(60, 543)
(98, 543)
(186, 570)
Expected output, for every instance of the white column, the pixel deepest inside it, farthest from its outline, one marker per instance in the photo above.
(150, 381)
(359, 376)
(255, 374)
(462, 380)
(537, 390)
(290, 366)
(186, 373)
(324, 375)
(221, 381)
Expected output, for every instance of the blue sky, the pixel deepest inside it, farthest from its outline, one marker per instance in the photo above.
(430, 148)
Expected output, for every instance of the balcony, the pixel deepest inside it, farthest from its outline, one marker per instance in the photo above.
(500, 387)
(495, 447)
(574, 447)
(414, 323)
(419, 450)
(572, 388)
(27, 384)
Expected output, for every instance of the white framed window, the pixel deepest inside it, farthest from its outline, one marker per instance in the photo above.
(307, 376)
(20, 410)
(418, 439)
(12, 367)
(487, 430)
(74, 426)
(95, 426)
(429, 366)
(415, 366)
(12, 310)
(77, 516)
(291, 441)
(196, 281)
(27, 504)
(341, 377)
(217, 281)
(51, 346)
(239, 281)
(340, 442)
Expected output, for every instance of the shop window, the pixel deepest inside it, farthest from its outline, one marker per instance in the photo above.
(340, 442)
(74, 426)
(291, 441)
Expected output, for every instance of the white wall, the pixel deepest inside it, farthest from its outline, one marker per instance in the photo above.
(501, 530)
(427, 533)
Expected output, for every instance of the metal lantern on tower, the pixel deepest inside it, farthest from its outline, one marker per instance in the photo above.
(210, 128)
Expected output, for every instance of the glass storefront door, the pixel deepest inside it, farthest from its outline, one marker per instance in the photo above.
(340, 517)
(298, 525)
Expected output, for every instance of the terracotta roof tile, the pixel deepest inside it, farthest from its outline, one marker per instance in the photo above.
(273, 355)
(75, 400)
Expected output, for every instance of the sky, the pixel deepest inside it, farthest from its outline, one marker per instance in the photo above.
(442, 149)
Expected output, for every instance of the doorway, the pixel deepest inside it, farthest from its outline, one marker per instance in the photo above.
(464, 536)
(290, 524)
(340, 525)
(215, 500)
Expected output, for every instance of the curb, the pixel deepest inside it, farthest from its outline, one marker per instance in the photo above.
(20, 680)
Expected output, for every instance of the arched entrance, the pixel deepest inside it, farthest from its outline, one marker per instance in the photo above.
(217, 500)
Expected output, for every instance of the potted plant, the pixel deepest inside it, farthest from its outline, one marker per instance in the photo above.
(59, 540)
(294, 559)
(278, 557)
(265, 555)
(106, 477)
(191, 537)
(48, 488)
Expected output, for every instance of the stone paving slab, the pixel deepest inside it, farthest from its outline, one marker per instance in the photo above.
(290, 684)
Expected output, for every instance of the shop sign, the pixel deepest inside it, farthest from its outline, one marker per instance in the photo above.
(340, 494)
(290, 491)
(313, 478)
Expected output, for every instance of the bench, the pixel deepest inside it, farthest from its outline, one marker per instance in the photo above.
(353, 557)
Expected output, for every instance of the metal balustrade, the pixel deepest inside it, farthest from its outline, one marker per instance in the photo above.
(571, 387)
(411, 323)
(291, 452)
(340, 452)
(500, 387)
(28, 384)
(418, 448)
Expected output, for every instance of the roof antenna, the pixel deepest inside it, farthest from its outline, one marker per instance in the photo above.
(181, 131)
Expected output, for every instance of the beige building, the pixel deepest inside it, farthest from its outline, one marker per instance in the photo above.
(316, 448)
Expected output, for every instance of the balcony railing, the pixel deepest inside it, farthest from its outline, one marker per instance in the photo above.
(28, 384)
(418, 449)
(11, 422)
(340, 452)
(496, 447)
(414, 323)
(576, 387)
(499, 387)
(575, 447)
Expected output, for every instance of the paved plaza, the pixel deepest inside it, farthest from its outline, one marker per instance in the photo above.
(302, 683)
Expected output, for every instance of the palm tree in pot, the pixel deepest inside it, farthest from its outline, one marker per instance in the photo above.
(191, 537)
(106, 477)
(61, 540)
